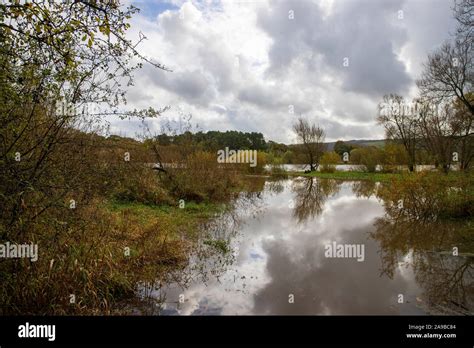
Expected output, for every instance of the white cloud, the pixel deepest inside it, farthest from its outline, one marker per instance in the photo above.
(240, 64)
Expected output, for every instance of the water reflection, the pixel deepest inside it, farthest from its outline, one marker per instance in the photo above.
(365, 188)
(270, 248)
(439, 251)
(310, 196)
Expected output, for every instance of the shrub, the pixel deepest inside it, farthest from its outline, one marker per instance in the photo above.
(368, 156)
(328, 162)
(260, 165)
(429, 196)
(140, 184)
(202, 178)
(392, 156)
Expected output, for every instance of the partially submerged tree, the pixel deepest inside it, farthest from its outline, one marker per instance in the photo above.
(312, 140)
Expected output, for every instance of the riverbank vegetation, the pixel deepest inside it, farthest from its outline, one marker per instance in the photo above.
(101, 216)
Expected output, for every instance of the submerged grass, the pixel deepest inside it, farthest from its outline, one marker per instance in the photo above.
(100, 265)
(173, 221)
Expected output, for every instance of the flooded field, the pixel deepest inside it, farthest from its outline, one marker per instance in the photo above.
(319, 247)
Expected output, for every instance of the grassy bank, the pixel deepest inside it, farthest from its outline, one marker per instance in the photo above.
(161, 239)
(159, 229)
(146, 213)
(90, 270)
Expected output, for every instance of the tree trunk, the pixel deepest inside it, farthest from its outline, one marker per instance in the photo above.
(445, 168)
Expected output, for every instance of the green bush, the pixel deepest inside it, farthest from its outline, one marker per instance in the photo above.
(368, 156)
(328, 162)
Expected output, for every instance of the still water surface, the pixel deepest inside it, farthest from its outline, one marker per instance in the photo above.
(267, 256)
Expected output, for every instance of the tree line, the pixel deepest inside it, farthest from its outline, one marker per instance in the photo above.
(216, 140)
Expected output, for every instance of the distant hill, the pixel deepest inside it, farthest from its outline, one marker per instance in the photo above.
(361, 142)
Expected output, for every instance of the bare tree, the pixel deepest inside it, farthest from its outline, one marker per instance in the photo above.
(464, 14)
(312, 139)
(448, 78)
(400, 124)
(438, 128)
(449, 73)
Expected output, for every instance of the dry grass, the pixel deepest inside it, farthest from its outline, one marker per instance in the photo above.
(92, 264)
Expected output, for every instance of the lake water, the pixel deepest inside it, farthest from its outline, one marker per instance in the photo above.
(269, 255)
(338, 167)
(358, 167)
(303, 167)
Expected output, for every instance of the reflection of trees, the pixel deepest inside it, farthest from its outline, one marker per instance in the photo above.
(365, 188)
(275, 186)
(253, 186)
(209, 257)
(447, 280)
(310, 195)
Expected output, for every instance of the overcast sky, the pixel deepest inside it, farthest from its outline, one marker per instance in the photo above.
(244, 65)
